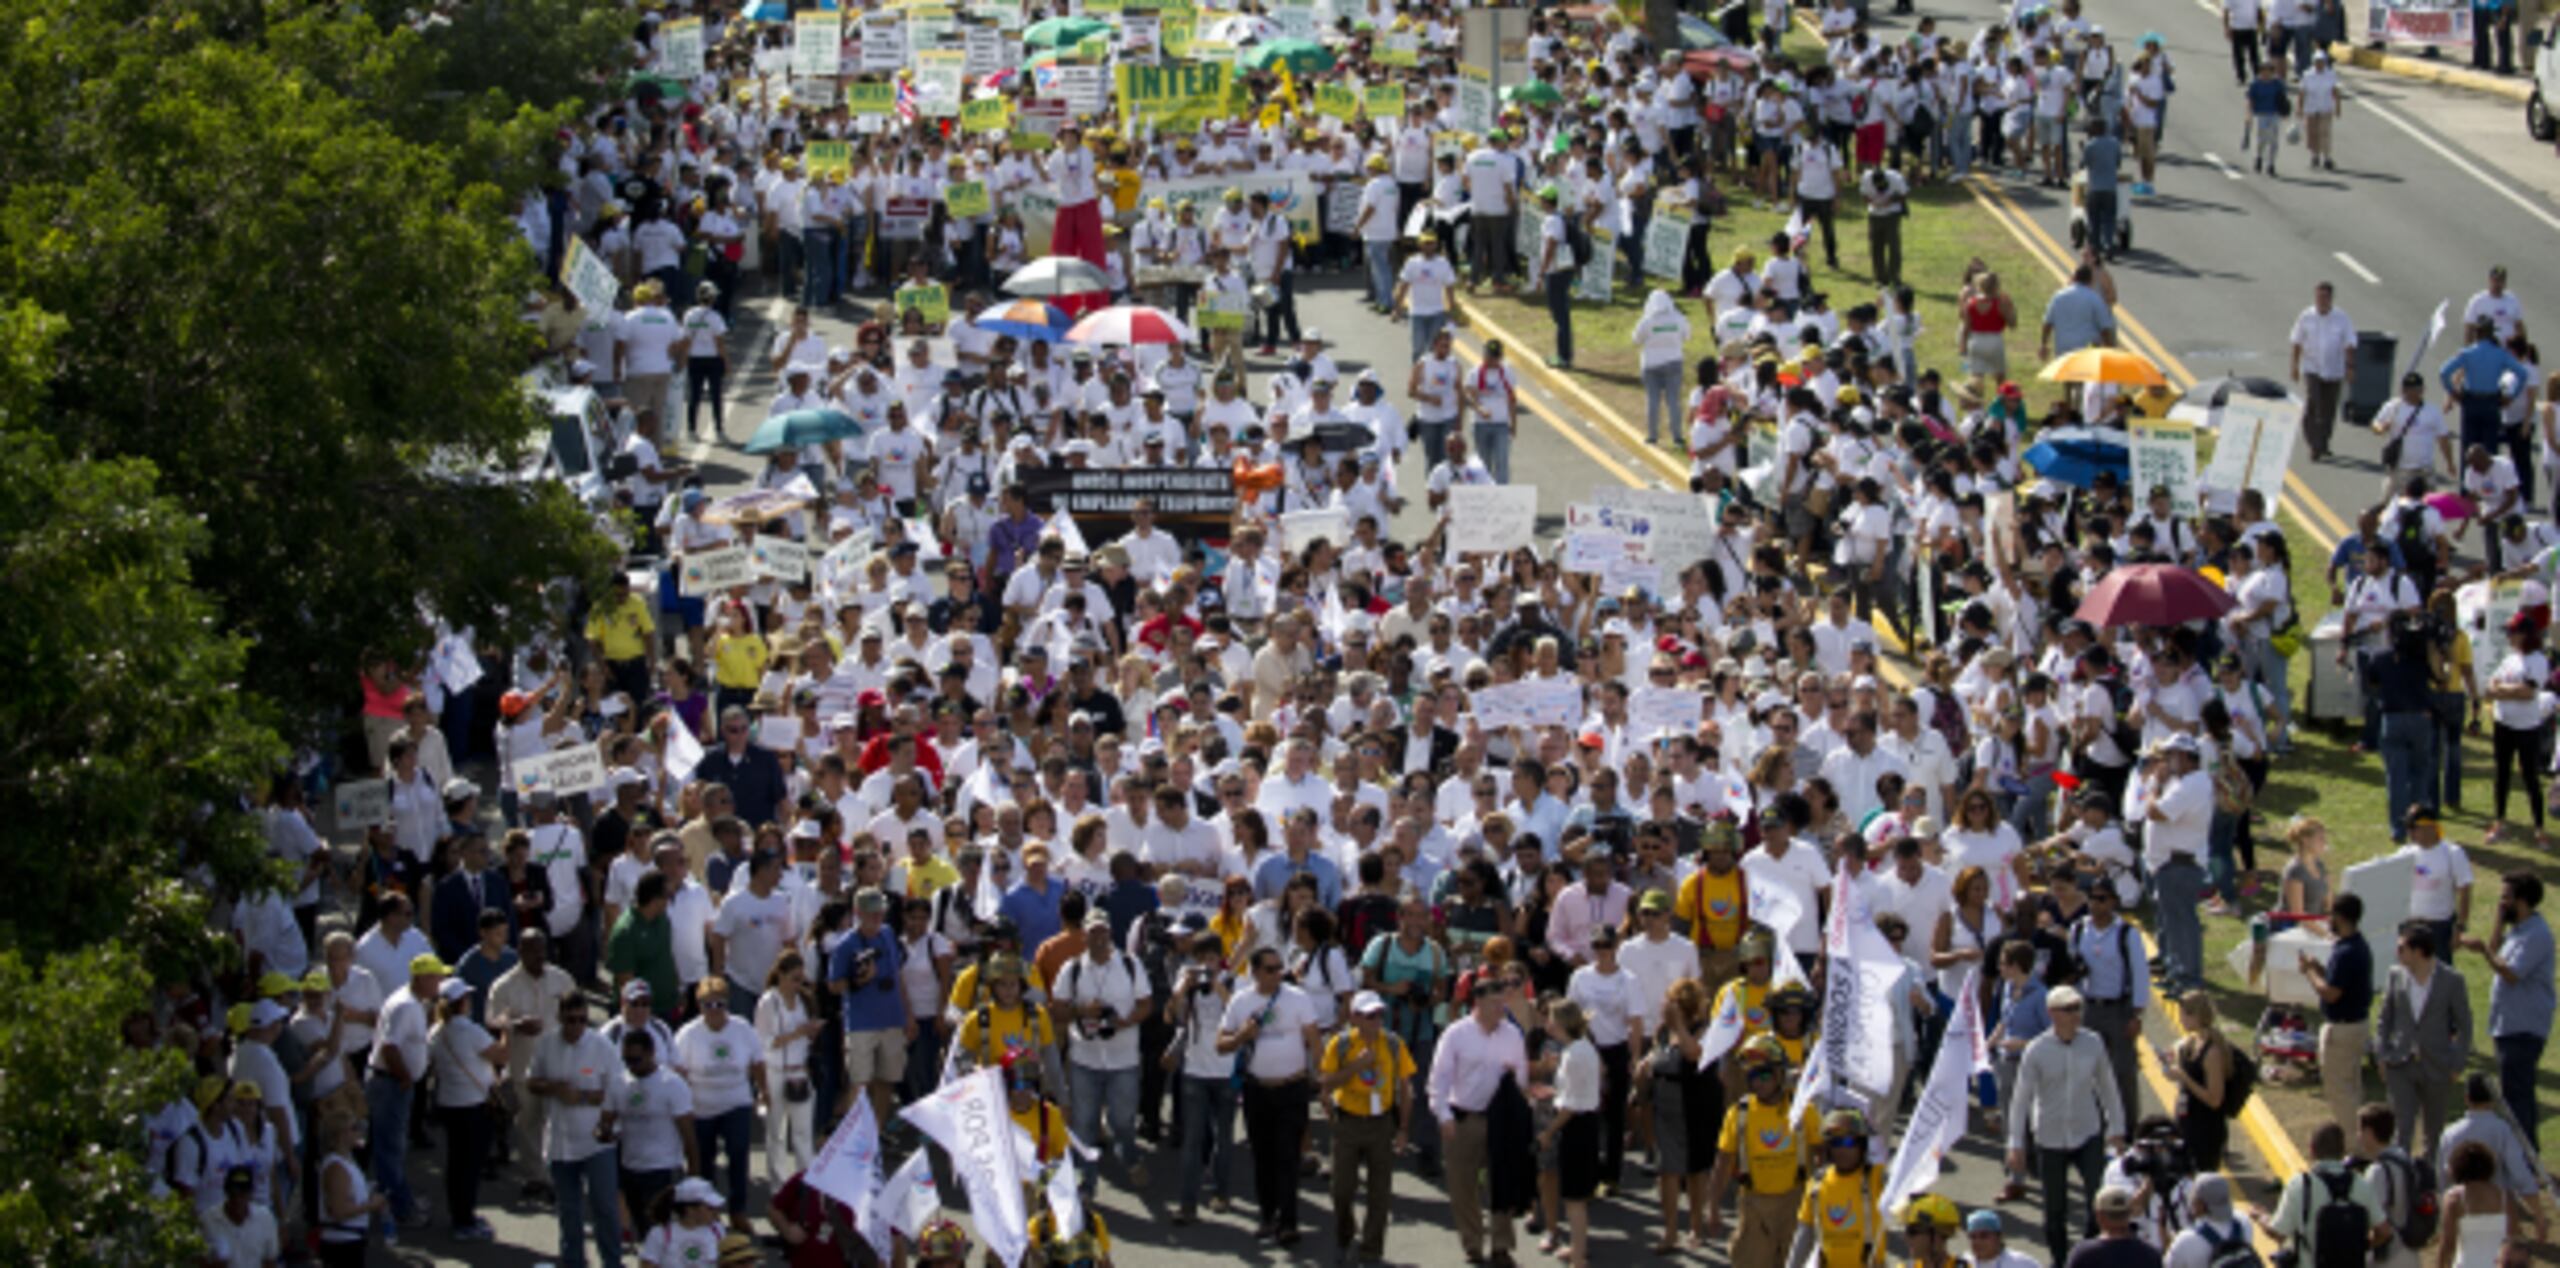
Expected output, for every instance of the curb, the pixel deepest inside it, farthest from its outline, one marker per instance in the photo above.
(2518, 89)
(1536, 368)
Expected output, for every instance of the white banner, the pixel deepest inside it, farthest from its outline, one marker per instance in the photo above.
(1484, 518)
(847, 1167)
(710, 572)
(590, 279)
(362, 803)
(817, 41)
(1938, 1121)
(884, 41)
(1528, 704)
(2251, 448)
(1597, 279)
(1780, 911)
(1297, 528)
(969, 1119)
(1680, 524)
(1666, 245)
(909, 1200)
(1653, 711)
(1724, 1030)
(684, 750)
(680, 54)
(566, 771)
(1857, 1007)
(780, 558)
(982, 47)
(2164, 453)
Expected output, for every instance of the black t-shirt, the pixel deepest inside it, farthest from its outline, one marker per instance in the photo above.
(2113, 1252)
(2350, 970)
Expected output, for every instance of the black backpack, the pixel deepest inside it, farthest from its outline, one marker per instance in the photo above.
(2341, 1225)
(2240, 1082)
(2413, 1207)
(2417, 553)
(2234, 1252)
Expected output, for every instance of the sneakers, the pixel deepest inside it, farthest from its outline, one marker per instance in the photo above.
(475, 1231)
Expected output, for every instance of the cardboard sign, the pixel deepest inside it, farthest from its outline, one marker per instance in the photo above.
(1337, 101)
(1383, 101)
(884, 41)
(680, 47)
(1084, 88)
(817, 42)
(1485, 518)
(904, 219)
(780, 558)
(1666, 245)
(1141, 38)
(1224, 310)
(942, 80)
(866, 99)
(2164, 453)
(590, 279)
(931, 25)
(933, 302)
(1191, 502)
(2252, 448)
(361, 803)
(564, 771)
(710, 572)
(1681, 525)
(779, 732)
(1597, 280)
(1475, 100)
(1179, 29)
(986, 114)
(966, 198)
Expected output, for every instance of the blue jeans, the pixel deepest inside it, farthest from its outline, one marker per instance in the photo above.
(1960, 145)
(1094, 1094)
(731, 1130)
(2408, 755)
(2176, 890)
(1435, 440)
(386, 1102)
(822, 246)
(1422, 328)
(1662, 399)
(857, 231)
(2032, 816)
(585, 1191)
(1382, 272)
(2519, 1056)
(2222, 867)
(1208, 1136)
(1493, 447)
(1559, 287)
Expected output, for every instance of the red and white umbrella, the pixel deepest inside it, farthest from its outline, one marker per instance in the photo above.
(1130, 324)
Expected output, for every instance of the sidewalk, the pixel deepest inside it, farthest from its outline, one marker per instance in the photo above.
(2440, 70)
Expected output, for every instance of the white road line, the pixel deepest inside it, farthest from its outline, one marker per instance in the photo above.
(2500, 188)
(2227, 169)
(2358, 269)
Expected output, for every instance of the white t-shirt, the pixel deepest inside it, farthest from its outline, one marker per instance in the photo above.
(463, 1073)
(1277, 1052)
(648, 1110)
(715, 1064)
(650, 337)
(2437, 876)
(756, 929)
(1428, 280)
(1117, 985)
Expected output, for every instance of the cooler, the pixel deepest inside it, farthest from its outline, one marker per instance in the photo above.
(2333, 694)
(2377, 377)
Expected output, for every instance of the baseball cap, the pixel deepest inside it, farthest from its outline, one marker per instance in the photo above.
(1368, 1004)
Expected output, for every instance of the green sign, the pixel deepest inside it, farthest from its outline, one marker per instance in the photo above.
(931, 302)
(870, 98)
(1383, 101)
(966, 198)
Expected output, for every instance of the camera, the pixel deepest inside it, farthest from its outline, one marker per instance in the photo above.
(1158, 934)
(866, 969)
(2162, 1158)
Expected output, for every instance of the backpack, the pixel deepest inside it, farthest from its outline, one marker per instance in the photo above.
(2234, 1252)
(2240, 1082)
(2341, 1225)
(2417, 554)
(2412, 1206)
(204, 1159)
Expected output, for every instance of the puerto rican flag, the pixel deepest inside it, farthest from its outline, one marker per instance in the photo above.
(906, 101)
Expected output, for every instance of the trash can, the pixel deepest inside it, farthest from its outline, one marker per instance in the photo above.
(2377, 376)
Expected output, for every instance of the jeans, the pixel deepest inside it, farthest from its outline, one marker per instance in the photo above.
(2521, 747)
(585, 1191)
(1493, 446)
(1382, 272)
(2176, 890)
(2266, 133)
(1094, 1096)
(857, 233)
(1434, 438)
(466, 1154)
(729, 1130)
(386, 1102)
(1662, 399)
(2451, 707)
(2519, 1056)
(819, 290)
(793, 253)
(1559, 287)
(1208, 1136)
(2053, 1172)
(826, 1080)
(2222, 872)
(2033, 815)
(1275, 1126)
(1283, 314)
(1422, 328)
(706, 378)
(2408, 746)
(2102, 221)
(2268, 669)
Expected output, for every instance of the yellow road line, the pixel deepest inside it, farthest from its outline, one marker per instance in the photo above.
(1484, 326)
(1571, 434)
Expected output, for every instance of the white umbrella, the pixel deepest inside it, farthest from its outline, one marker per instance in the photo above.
(1058, 275)
(1241, 30)
(1130, 325)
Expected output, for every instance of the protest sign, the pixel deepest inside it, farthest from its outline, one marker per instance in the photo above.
(982, 51)
(985, 114)
(778, 731)
(866, 99)
(1179, 97)
(931, 25)
(942, 79)
(1597, 280)
(1551, 702)
(1383, 101)
(884, 41)
(1190, 502)
(1342, 209)
(1084, 88)
(1036, 123)
(1224, 310)
(1666, 245)
(968, 1117)
(2252, 448)
(564, 771)
(1141, 38)
(1475, 100)
(1681, 526)
(590, 279)
(710, 572)
(1297, 19)
(1338, 101)
(904, 219)
(2165, 453)
(680, 45)
(817, 42)
(1180, 28)
(780, 558)
(932, 301)
(829, 158)
(1653, 711)
(2422, 22)
(966, 199)
(361, 803)
(1484, 518)
(1399, 48)
(1298, 528)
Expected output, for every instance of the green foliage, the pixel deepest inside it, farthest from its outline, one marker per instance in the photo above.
(73, 1188)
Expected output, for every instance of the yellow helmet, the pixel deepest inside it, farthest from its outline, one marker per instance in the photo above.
(1763, 1052)
(1930, 1210)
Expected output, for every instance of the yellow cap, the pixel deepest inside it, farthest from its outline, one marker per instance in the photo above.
(428, 965)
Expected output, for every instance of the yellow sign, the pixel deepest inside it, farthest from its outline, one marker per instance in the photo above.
(1399, 48)
(930, 302)
(1383, 101)
(1180, 27)
(871, 98)
(1022, 140)
(1102, 8)
(966, 198)
(1337, 101)
(830, 158)
(1182, 95)
(1094, 48)
(987, 114)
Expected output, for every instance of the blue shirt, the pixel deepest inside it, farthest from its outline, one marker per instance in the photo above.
(875, 1005)
(2112, 961)
(2481, 367)
(2350, 972)
(2101, 156)
(1034, 911)
(2523, 1007)
(2352, 547)
(2266, 96)
(1277, 870)
(2079, 317)
(2022, 1013)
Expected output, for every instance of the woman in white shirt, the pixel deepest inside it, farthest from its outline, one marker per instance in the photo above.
(785, 1023)
(2520, 734)
(722, 1063)
(1662, 333)
(1978, 838)
(466, 1059)
(1574, 1133)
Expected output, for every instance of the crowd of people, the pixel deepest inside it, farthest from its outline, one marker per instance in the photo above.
(1173, 820)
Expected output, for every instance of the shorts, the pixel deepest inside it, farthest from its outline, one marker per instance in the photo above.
(2048, 129)
(875, 1056)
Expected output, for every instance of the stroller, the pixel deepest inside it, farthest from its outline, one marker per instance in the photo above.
(2080, 216)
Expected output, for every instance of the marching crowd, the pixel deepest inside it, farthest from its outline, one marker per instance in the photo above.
(1195, 829)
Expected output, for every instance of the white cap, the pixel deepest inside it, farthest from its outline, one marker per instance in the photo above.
(697, 1189)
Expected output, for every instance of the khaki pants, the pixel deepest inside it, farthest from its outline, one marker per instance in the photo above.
(1766, 1225)
(527, 1116)
(2342, 1070)
(1363, 1141)
(1467, 1159)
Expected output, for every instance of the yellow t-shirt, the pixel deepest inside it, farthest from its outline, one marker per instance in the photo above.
(1021, 1026)
(1755, 1009)
(738, 660)
(1051, 1142)
(622, 629)
(1125, 187)
(1794, 1048)
(1374, 1092)
(1773, 1154)
(965, 994)
(1841, 1209)
(1713, 907)
(929, 876)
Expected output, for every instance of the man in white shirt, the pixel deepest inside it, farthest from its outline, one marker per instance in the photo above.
(2324, 337)
(572, 1065)
(1854, 768)
(1274, 1024)
(1101, 996)
(2497, 305)
(1466, 1070)
(1493, 180)
(1379, 225)
(2414, 435)
(2180, 816)
(2490, 482)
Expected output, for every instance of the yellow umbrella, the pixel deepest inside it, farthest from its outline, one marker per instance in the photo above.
(2104, 365)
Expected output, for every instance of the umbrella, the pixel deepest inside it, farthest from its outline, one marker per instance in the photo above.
(1063, 32)
(2202, 404)
(1024, 319)
(2104, 365)
(803, 427)
(2452, 506)
(1240, 30)
(1535, 92)
(660, 87)
(2153, 594)
(1304, 57)
(769, 11)
(2075, 455)
(1057, 275)
(1130, 324)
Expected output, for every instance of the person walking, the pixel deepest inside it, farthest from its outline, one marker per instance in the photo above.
(2519, 955)
(1661, 333)
(393, 1072)
(2068, 1110)
(722, 1063)
(2422, 1041)
(1101, 995)
(2323, 362)
(1201, 992)
(572, 1063)
(1767, 1151)
(1557, 265)
(1473, 1059)
(2321, 104)
(1574, 1133)
(787, 1023)
(1367, 1072)
(466, 1059)
(1274, 1025)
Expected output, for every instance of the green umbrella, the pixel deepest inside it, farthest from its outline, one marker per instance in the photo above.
(803, 427)
(1305, 57)
(1536, 92)
(663, 87)
(1062, 32)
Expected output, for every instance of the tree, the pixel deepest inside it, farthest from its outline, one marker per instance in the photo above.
(310, 325)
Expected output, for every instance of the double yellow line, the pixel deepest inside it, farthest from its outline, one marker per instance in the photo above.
(2324, 524)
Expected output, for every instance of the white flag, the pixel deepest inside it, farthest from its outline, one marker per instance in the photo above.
(1724, 1030)
(908, 1201)
(988, 900)
(1780, 911)
(1809, 1082)
(847, 1167)
(1938, 1121)
(1064, 525)
(1064, 1201)
(684, 752)
(969, 1119)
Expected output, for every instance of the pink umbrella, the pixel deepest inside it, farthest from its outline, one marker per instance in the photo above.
(1130, 324)
(2153, 594)
(2452, 506)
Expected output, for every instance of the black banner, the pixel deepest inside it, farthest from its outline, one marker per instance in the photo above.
(1192, 503)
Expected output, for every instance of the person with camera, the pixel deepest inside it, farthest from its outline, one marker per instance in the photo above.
(863, 969)
(1207, 1115)
(1274, 1026)
(1102, 997)
(2069, 1108)
(2154, 1170)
